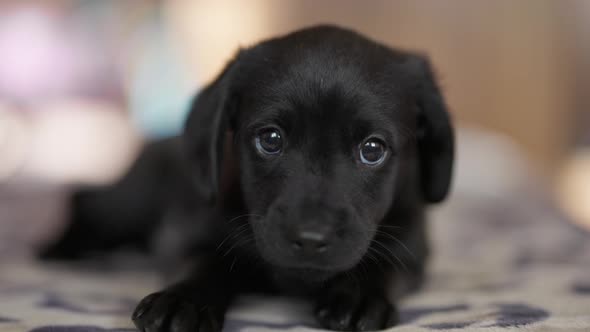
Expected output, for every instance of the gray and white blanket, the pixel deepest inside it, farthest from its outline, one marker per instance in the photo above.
(504, 259)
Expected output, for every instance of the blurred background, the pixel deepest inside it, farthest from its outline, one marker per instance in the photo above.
(83, 84)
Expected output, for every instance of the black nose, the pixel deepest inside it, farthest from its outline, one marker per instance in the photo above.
(310, 242)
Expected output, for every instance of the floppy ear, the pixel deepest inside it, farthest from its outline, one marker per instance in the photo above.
(436, 142)
(205, 129)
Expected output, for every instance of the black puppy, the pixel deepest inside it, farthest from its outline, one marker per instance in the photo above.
(304, 169)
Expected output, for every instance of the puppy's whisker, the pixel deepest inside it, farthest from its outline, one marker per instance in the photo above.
(238, 243)
(239, 231)
(233, 264)
(230, 249)
(246, 241)
(379, 254)
(392, 254)
(232, 232)
(398, 241)
(229, 236)
(389, 226)
(370, 255)
(244, 215)
(365, 270)
(375, 260)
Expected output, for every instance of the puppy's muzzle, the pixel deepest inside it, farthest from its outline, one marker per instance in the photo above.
(312, 235)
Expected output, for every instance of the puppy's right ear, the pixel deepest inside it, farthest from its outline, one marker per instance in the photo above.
(436, 139)
(205, 128)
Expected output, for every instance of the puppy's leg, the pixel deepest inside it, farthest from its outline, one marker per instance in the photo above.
(345, 305)
(122, 214)
(103, 219)
(198, 303)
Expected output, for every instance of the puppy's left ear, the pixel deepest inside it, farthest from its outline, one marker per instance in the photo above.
(436, 139)
(204, 132)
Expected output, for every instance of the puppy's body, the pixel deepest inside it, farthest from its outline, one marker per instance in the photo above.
(304, 169)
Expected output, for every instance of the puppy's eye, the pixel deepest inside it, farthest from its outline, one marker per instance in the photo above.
(372, 151)
(269, 141)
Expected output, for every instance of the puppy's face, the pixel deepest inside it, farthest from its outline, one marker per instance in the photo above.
(325, 125)
(320, 155)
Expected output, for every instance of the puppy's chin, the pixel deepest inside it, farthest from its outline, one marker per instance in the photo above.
(312, 275)
(307, 271)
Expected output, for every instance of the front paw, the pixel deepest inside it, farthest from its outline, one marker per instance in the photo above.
(348, 313)
(168, 311)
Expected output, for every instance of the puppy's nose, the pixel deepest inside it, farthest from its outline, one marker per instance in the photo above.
(310, 242)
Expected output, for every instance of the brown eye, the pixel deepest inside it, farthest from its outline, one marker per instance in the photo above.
(372, 151)
(269, 141)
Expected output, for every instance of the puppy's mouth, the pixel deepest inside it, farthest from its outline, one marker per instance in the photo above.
(312, 268)
(309, 270)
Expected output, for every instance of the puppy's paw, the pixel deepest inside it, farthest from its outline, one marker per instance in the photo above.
(345, 313)
(170, 312)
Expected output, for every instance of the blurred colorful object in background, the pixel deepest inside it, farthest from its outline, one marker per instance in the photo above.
(574, 187)
(62, 90)
(160, 90)
(46, 55)
(13, 141)
(82, 83)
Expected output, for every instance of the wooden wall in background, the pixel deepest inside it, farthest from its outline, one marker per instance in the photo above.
(510, 66)
(581, 51)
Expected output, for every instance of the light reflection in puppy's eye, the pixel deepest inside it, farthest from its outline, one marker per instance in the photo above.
(269, 141)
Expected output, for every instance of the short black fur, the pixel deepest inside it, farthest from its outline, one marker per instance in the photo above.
(313, 220)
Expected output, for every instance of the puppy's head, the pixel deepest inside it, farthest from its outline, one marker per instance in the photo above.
(331, 131)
